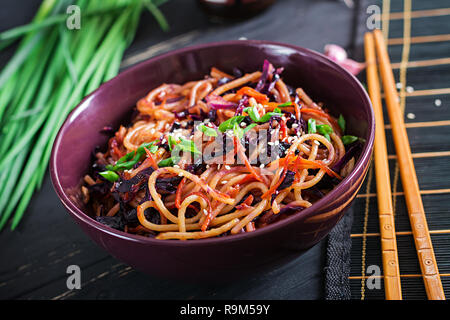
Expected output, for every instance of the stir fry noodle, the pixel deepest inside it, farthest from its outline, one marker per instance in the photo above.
(227, 154)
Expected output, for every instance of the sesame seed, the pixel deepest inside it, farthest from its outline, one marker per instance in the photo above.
(176, 166)
(409, 89)
(227, 167)
(411, 116)
(437, 102)
(399, 85)
(243, 124)
(262, 165)
(207, 166)
(224, 182)
(205, 212)
(294, 125)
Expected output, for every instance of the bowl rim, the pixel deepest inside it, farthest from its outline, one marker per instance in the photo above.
(357, 171)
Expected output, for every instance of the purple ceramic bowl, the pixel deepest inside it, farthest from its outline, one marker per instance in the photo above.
(221, 257)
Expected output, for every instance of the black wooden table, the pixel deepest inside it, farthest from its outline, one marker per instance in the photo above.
(34, 258)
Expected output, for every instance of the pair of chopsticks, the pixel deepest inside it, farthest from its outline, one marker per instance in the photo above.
(433, 286)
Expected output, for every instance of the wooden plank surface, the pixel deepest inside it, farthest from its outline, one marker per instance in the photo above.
(34, 258)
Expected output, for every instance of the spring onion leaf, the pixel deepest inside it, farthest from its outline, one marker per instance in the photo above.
(73, 67)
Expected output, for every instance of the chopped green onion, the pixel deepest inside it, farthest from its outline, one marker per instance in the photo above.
(312, 125)
(286, 104)
(130, 159)
(325, 130)
(172, 142)
(169, 162)
(249, 127)
(341, 122)
(253, 113)
(268, 115)
(210, 132)
(349, 139)
(188, 146)
(153, 149)
(237, 130)
(109, 175)
(229, 124)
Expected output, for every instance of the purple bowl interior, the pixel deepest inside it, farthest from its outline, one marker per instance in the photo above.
(321, 78)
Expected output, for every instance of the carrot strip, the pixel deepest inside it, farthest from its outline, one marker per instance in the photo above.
(246, 203)
(259, 97)
(241, 154)
(272, 190)
(178, 194)
(297, 111)
(283, 130)
(202, 195)
(248, 178)
(152, 160)
(317, 164)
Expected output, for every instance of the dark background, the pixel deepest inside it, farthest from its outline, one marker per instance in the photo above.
(34, 258)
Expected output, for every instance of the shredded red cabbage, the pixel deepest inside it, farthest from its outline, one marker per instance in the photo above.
(287, 181)
(217, 102)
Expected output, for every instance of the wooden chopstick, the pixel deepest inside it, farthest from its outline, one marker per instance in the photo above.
(416, 212)
(391, 270)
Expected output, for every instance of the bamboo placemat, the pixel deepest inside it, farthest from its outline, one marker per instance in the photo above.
(418, 34)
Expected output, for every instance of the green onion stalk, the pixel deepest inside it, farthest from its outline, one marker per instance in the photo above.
(52, 69)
